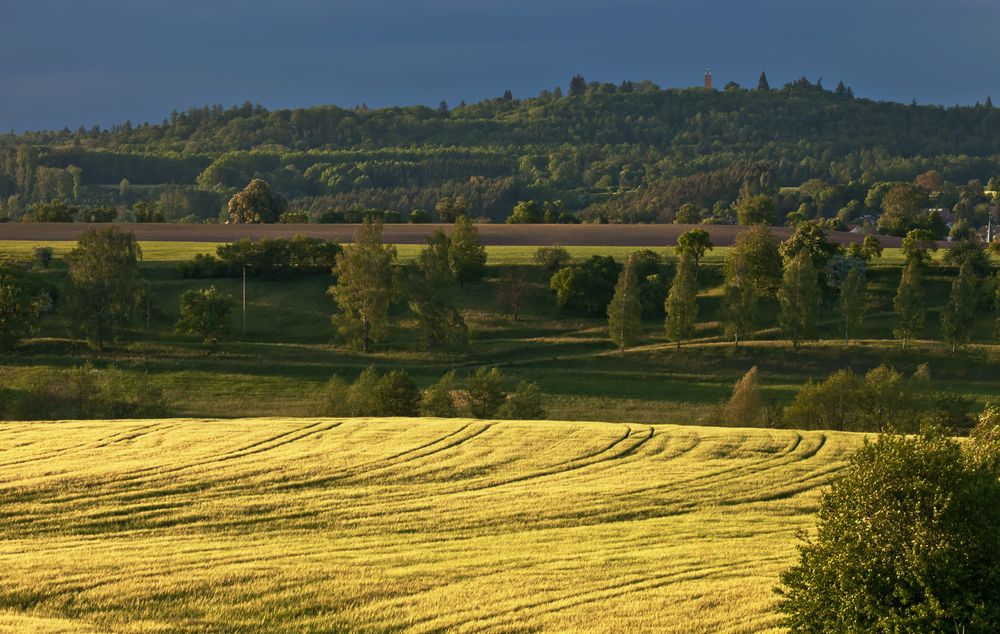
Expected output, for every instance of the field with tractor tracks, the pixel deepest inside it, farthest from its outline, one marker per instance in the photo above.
(289, 525)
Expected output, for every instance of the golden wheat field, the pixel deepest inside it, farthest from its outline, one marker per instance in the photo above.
(323, 525)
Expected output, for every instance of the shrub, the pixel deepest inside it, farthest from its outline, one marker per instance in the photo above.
(362, 396)
(908, 540)
(485, 391)
(524, 404)
(43, 256)
(552, 258)
(397, 395)
(437, 400)
(334, 398)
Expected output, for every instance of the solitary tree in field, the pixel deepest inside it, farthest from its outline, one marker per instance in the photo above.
(20, 306)
(206, 313)
(466, 252)
(909, 303)
(625, 309)
(682, 305)
(907, 540)
(959, 312)
(104, 284)
(694, 243)
(256, 203)
(799, 297)
(365, 286)
(852, 302)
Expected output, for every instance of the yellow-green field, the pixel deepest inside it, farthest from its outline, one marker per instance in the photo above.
(276, 525)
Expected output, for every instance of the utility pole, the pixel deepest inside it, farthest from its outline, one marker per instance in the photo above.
(244, 301)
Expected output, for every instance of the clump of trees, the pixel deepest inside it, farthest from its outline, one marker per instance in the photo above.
(395, 394)
(80, 392)
(883, 399)
(21, 303)
(277, 258)
(908, 540)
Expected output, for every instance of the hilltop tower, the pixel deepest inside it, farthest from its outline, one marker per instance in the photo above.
(708, 78)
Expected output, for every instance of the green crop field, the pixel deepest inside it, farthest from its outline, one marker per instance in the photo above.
(431, 525)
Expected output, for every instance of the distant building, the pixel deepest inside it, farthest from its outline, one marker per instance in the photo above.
(708, 78)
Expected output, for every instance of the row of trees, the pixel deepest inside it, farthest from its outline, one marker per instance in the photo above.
(802, 274)
(395, 394)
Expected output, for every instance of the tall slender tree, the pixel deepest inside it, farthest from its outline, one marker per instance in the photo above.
(625, 309)
(466, 253)
(681, 305)
(960, 311)
(852, 302)
(799, 297)
(439, 322)
(365, 286)
(738, 313)
(762, 85)
(909, 303)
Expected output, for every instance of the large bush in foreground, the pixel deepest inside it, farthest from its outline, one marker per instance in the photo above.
(908, 541)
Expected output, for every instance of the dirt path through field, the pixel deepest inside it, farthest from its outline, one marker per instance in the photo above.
(492, 235)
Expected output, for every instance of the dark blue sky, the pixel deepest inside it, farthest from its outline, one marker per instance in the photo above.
(73, 62)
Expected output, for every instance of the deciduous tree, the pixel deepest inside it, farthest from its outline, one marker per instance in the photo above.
(104, 284)
(466, 252)
(799, 297)
(682, 305)
(625, 309)
(909, 303)
(206, 313)
(365, 286)
(256, 203)
(960, 311)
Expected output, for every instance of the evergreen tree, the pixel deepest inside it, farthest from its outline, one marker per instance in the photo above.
(577, 86)
(625, 309)
(466, 253)
(958, 314)
(762, 85)
(682, 305)
(799, 297)
(852, 302)
(443, 108)
(909, 303)
(746, 406)
(365, 286)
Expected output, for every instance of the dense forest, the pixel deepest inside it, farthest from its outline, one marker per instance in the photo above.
(601, 152)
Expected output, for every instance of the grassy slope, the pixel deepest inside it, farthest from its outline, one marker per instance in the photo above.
(290, 351)
(277, 525)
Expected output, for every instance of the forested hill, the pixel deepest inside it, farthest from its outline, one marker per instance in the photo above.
(632, 152)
